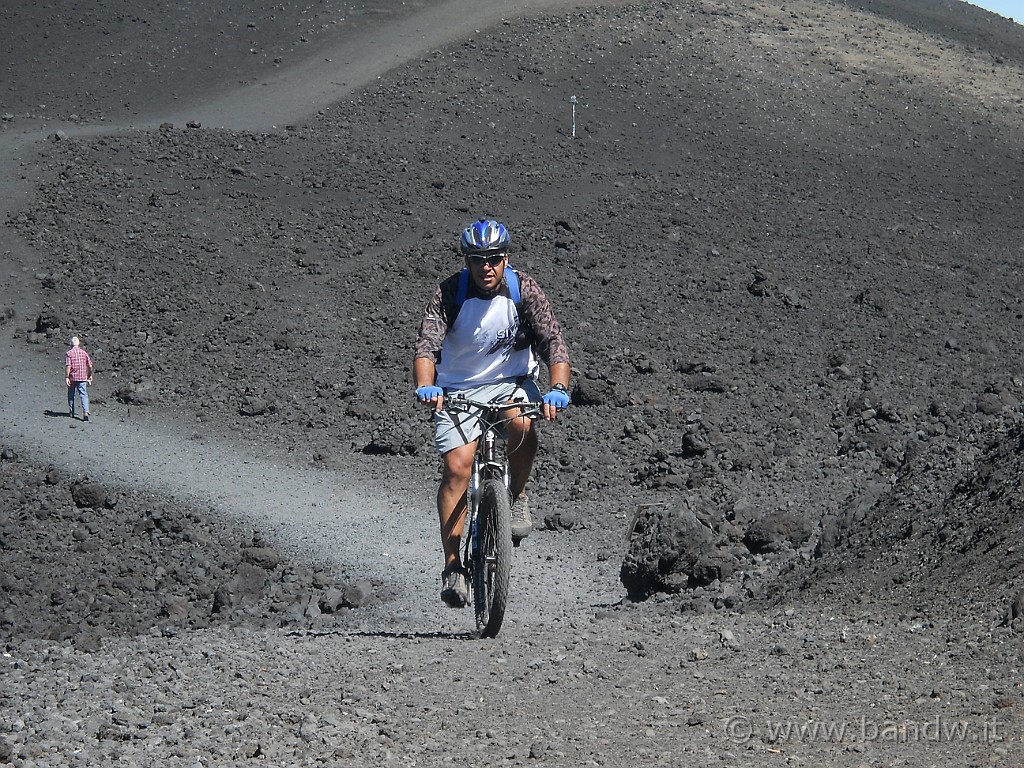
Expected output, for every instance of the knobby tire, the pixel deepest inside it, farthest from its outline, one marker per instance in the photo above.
(491, 575)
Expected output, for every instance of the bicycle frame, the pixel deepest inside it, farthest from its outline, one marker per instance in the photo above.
(490, 460)
(487, 549)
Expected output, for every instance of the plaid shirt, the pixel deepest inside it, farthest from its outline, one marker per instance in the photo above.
(79, 363)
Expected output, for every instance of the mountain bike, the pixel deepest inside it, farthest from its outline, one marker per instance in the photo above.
(487, 548)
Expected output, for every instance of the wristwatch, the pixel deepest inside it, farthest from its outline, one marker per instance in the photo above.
(559, 387)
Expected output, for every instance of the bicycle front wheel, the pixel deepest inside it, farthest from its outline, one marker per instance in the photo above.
(493, 566)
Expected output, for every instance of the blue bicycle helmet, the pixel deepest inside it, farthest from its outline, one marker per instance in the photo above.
(484, 238)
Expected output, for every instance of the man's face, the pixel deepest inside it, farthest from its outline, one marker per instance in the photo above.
(487, 271)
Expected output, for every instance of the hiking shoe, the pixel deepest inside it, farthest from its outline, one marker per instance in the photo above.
(521, 522)
(85, 417)
(454, 586)
(71, 414)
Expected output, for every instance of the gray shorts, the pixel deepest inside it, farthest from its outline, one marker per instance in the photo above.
(454, 430)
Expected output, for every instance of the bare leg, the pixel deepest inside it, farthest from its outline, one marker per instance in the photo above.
(522, 448)
(451, 499)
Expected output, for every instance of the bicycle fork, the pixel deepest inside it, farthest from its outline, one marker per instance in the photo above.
(485, 466)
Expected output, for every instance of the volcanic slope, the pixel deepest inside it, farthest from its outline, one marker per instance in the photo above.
(783, 243)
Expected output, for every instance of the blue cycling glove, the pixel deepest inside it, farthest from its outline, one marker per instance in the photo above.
(558, 397)
(428, 392)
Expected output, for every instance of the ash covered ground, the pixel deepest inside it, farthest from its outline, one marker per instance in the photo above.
(784, 244)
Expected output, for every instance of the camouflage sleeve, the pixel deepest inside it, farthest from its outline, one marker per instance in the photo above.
(434, 325)
(550, 344)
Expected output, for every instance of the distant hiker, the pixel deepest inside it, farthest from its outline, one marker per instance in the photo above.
(78, 377)
(478, 337)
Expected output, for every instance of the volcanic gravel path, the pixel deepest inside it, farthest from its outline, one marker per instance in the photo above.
(784, 243)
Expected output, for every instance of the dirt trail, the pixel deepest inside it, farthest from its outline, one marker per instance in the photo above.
(766, 152)
(337, 518)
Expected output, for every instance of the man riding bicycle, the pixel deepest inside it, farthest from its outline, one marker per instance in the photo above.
(480, 336)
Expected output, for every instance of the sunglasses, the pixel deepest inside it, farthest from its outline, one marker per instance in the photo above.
(491, 261)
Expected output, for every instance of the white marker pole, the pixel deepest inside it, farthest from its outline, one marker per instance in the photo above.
(573, 100)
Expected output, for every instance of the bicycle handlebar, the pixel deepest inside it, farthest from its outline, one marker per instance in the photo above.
(527, 408)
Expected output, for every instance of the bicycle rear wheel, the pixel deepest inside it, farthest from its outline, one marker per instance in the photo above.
(493, 564)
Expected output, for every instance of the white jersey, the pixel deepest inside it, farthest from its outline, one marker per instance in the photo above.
(478, 348)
